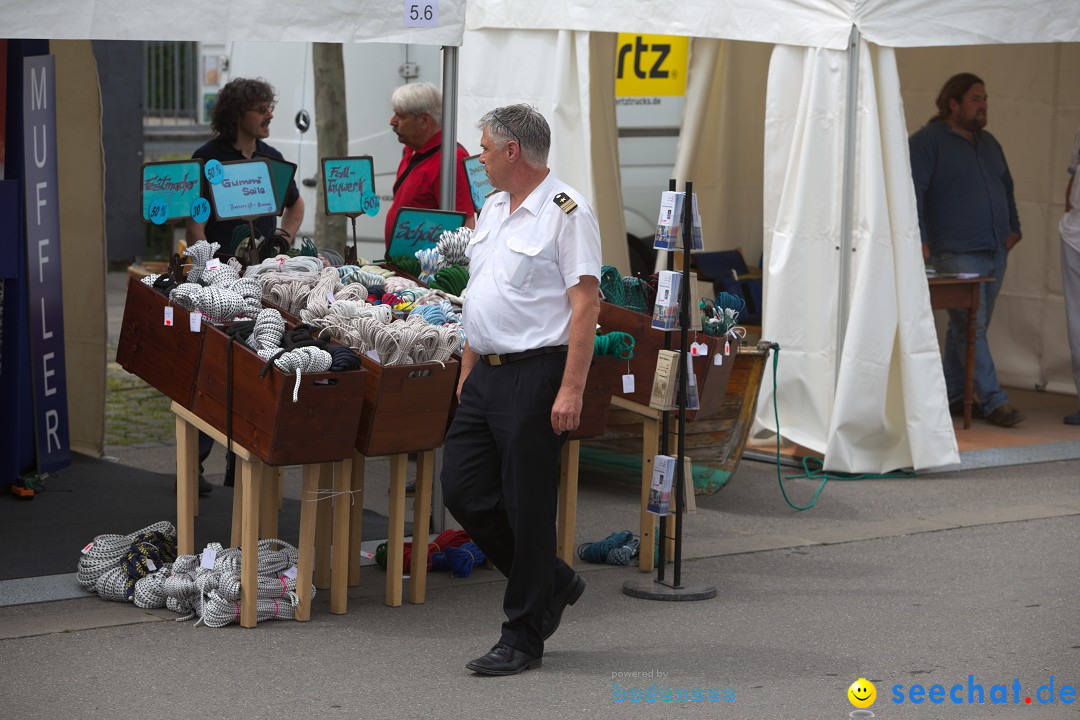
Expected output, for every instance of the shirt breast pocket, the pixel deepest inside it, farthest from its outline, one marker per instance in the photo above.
(520, 262)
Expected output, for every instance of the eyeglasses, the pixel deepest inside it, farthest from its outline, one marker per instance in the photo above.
(495, 114)
(263, 109)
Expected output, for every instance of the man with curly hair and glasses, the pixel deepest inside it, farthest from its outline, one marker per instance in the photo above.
(241, 121)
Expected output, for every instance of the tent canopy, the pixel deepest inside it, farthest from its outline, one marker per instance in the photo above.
(337, 21)
(811, 23)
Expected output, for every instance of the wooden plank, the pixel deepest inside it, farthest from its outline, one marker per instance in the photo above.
(309, 496)
(395, 542)
(323, 526)
(425, 469)
(356, 518)
(339, 571)
(187, 445)
(649, 448)
(249, 547)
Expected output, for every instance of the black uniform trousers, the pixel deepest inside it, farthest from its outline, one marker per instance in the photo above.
(500, 480)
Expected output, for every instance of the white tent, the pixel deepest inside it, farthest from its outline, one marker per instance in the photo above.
(860, 375)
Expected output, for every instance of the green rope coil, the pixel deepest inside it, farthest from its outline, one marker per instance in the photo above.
(611, 285)
(617, 344)
(452, 279)
(407, 263)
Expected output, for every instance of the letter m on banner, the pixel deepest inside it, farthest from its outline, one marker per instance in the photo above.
(44, 279)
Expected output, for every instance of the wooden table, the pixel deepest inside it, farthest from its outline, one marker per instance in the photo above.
(948, 293)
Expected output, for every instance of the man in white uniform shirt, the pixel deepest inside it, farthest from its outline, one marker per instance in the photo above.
(530, 318)
(1070, 268)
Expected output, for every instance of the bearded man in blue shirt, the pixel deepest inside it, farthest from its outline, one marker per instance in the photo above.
(969, 223)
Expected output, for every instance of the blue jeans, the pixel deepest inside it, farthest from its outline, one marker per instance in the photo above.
(987, 390)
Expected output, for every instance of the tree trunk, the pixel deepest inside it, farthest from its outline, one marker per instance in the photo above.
(332, 131)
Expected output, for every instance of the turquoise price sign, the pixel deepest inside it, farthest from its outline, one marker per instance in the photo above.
(169, 189)
(348, 182)
(478, 182)
(246, 191)
(416, 229)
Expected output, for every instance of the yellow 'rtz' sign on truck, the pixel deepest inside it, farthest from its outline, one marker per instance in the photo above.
(650, 65)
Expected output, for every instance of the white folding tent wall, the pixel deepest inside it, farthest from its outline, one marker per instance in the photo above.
(860, 379)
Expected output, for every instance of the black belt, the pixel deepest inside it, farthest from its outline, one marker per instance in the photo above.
(496, 360)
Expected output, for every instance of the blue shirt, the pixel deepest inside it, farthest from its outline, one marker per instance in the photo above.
(964, 191)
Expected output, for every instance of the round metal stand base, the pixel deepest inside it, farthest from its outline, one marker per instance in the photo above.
(646, 588)
(861, 714)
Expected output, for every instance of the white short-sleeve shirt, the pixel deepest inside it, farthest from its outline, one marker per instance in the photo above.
(521, 265)
(1070, 221)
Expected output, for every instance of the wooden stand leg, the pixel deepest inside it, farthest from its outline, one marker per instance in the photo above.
(249, 570)
(187, 460)
(280, 488)
(236, 532)
(268, 510)
(425, 466)
(323, 527)
(568, 485)
(339, 570)
(356, 518)
(399, 465)
(309, 494)
(650, 445)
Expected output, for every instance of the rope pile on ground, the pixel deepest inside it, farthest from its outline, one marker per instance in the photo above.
(213, 594)
(618, 548)
(111, 564)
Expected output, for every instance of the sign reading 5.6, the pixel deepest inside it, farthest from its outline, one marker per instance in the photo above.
(421, 14)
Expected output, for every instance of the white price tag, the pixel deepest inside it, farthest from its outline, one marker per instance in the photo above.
(699, 349)
(213, 263)
(366, 555)
(628, 383)
(87, 548)
(150, 565)
(330, 297)
(168, 316)
(209, 555)
(727, 347)
(195, 321)
(291, 572)
(421, 13)
(374, 355)
(717, 359)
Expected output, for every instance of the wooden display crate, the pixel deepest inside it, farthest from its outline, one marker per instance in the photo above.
(165, 357)
(320, 427)
(406, 407)
(712, 379)
(596, 400)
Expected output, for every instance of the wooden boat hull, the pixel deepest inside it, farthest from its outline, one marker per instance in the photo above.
(715, 445)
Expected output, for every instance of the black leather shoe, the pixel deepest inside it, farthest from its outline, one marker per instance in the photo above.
(503, 660)
(567, 596)
(205, 488)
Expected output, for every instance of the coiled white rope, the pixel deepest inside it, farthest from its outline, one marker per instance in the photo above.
(451, 246)
(285, 264)
(430, 262)
(265, 340)
(107, 551)
(200, 253)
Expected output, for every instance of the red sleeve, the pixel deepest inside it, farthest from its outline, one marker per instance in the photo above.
(463, 195)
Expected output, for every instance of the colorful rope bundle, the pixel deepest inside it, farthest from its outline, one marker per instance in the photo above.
(618, 548)
(443, 541)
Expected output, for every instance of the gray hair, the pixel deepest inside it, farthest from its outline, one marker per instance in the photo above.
(417, 99)
(524, 124)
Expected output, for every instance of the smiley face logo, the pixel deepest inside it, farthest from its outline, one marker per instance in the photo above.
(862, 693)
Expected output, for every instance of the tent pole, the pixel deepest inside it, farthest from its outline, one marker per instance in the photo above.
(448, 173)
(447, 193)
(847, 201)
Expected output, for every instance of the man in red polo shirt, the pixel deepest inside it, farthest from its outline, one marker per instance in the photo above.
(417, 121)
